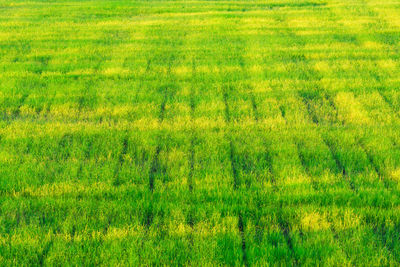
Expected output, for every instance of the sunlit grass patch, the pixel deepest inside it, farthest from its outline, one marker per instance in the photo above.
(314, 222)
(350, 111)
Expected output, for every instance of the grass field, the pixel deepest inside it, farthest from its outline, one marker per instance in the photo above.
(200, 132)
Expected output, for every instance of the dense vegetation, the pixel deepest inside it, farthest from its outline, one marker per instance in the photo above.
(200, 132)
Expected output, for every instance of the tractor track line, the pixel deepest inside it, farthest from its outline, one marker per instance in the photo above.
(193, 131)
(314, 184)
(284, 227)
(377, 169)
(339, 164)
(242, 236)
(121, 159)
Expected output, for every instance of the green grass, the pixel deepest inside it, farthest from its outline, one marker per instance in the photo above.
(200, 132)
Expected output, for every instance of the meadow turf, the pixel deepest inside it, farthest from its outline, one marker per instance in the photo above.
(200, 132)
